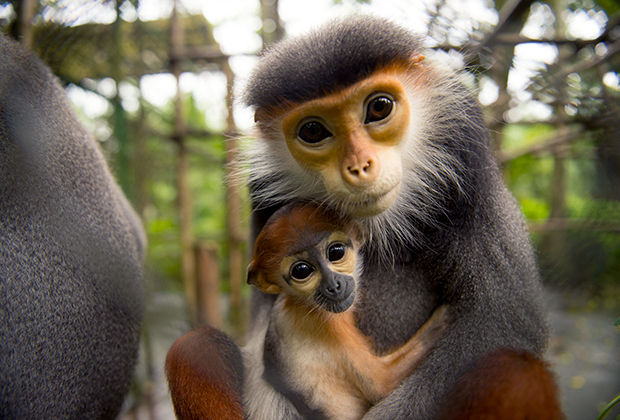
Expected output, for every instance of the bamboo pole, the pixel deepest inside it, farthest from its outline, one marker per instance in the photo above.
(120, 119)
(272, 29)
(184, 194)
(27, 11)
(235, 236)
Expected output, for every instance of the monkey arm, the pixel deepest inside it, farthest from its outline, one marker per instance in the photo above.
(71, 290)
(422, 394)
(261, 400)
(418, 395)
(492, 287)
(399, 364)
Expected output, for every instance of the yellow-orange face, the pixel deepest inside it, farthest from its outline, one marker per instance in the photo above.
(352, 139)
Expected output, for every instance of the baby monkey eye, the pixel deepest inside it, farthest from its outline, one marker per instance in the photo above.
(378, 109)
(301, 270)
(313, 132)
(336, 252)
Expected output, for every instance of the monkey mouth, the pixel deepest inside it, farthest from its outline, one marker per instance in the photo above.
(337, 306)
(373, 205)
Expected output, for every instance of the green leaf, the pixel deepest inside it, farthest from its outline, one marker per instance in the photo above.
(609, 407)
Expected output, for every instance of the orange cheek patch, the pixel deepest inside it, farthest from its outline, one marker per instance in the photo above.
(317, 159)
(392, 132)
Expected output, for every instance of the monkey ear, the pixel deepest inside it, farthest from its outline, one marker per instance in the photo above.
(256, 277)
(356, 235)
(251, 273)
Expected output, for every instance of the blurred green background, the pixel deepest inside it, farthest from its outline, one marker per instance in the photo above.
(153, 79)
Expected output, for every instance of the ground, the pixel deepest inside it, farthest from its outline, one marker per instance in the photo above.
(584, 353)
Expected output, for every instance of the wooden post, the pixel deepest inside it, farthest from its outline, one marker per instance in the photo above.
(27, 10)
(123, 163)
(272, 27)
(503, 57)
(558, 178)
(208, 285)
(556, 241)
(235, 237)
(184, 193)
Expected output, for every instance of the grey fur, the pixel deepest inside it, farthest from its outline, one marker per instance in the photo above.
(71, 248)
(455, 235)
(304, 68)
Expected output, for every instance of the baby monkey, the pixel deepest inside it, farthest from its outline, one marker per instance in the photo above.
(314, 353)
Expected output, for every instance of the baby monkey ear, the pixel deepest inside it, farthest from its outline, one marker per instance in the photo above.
(253, 274)
(417, 58)
(355, 233)
(256, 277)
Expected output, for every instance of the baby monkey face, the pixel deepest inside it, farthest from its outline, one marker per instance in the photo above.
(323, 273)
(309, 253)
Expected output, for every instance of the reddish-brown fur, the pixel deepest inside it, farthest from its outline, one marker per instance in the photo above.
(204, 370)
(506, 384)
(371, 376)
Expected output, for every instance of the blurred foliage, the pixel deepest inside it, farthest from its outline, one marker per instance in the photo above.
(589, 256)
(89, 50)
(206, 179)
(580, 256)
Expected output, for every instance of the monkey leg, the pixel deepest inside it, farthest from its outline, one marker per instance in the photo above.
(205, 376)
(505, 384)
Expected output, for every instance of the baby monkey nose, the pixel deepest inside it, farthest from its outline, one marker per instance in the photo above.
(334, 287)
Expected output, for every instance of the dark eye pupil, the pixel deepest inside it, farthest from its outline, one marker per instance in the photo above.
(313, 132)
(378, 109)
(301, 271)
(336, 252)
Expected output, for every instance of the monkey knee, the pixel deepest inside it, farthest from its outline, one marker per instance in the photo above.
(205, 376)
(505, 384)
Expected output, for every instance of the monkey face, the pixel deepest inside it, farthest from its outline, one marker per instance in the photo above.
(352, 139)
(323, 274)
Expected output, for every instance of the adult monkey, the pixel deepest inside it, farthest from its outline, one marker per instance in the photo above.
(354, 116)
(70, 257)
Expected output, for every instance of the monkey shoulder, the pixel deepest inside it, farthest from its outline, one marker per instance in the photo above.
(71, 250)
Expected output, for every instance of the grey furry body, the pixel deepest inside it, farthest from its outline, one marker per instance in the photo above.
(71, 248)
(454, 236)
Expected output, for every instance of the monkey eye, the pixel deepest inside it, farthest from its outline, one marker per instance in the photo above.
(335, 252)
(301, 270)
(313, 132)
(378, 109)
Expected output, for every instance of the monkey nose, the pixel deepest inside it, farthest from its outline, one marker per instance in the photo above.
(360, 170)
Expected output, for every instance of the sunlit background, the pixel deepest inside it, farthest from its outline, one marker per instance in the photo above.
(546, 74)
